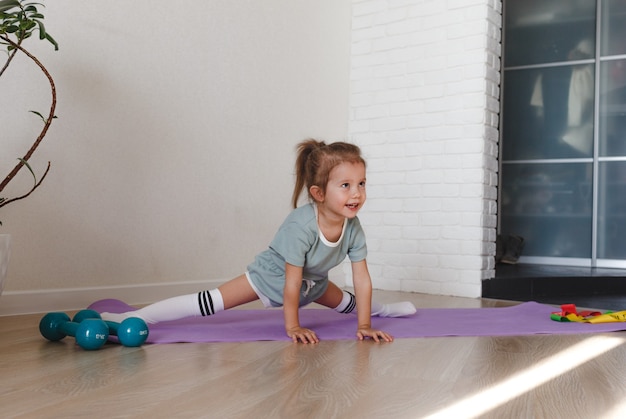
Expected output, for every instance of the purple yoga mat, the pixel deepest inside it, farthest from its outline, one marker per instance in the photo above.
(252, 325)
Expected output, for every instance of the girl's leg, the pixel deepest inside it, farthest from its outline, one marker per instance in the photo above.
(237, 291)
(233, 293)
(334, 298)
(345, 302)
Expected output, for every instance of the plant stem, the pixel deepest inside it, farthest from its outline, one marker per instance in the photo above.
(11, 55)
(47, 123)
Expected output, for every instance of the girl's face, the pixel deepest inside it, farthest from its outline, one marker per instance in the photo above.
(345, 191)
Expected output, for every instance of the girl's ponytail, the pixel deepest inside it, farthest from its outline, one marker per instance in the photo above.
(304, 150)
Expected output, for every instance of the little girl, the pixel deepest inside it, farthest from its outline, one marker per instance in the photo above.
(313, 239)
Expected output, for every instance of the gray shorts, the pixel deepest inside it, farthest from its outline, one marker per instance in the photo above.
(309, 292)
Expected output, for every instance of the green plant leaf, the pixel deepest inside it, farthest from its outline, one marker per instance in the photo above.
(43, 118)
(8, 4)
(39, 115)
(29, 168)
(42, 29)
(52, 41)
(28, 25)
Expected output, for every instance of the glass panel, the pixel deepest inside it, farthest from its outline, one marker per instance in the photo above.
(550, 206)
(613, 109)
(548, 113)
(547, 31)
(613, 27)
(612, 210)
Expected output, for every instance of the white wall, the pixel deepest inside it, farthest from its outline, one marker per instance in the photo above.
(424, 108)
(172, 155)
(173, 152)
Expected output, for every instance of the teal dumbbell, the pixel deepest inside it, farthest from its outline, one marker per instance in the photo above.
(131, 332)
(90, 334)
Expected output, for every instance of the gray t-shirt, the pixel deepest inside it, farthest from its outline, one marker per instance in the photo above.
(299, 242)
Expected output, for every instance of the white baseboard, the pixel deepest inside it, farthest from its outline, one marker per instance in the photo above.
(68, 299)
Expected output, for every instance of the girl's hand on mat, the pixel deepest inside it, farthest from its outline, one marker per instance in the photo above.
(302, 334)
(376, 335)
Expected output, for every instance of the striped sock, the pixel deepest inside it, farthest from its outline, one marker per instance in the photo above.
(210, 302)
(204, 303)
(348, 303)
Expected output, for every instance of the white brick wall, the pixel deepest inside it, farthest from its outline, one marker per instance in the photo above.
(424, 108)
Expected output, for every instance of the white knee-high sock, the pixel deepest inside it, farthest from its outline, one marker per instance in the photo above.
(204, 303)
(404, 308)
(348, 305)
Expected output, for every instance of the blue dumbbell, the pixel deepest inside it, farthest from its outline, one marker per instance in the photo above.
(132, 331)
(90, 334)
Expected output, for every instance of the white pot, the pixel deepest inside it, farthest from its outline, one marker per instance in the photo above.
(5, 252)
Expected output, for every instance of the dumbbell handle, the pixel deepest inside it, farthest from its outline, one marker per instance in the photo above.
(92, 314)
(113, 327)
(69, 328)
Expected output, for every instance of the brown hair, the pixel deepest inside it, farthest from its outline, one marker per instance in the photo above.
(315, 161)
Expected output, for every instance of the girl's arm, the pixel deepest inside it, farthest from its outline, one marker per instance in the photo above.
(363, 293)
(291, 304)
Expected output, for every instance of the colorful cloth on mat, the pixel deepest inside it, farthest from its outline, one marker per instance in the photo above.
(569, 313)
(268, 324)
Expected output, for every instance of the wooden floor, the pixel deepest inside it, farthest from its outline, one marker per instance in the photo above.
(539, 376)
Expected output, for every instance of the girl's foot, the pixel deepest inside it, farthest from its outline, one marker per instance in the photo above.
(404, 308)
